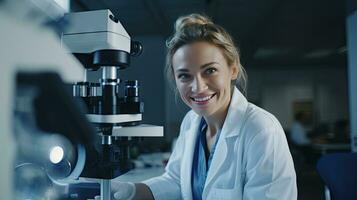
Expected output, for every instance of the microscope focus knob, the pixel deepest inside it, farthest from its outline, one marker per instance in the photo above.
(132, 90)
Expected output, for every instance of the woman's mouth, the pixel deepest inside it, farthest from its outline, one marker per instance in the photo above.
(201, 100)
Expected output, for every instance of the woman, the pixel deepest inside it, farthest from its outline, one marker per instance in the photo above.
(228, 148)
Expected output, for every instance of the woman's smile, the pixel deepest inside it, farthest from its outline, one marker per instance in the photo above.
(202, 99)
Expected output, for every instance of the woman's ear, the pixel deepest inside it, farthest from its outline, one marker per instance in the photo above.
(235, 71)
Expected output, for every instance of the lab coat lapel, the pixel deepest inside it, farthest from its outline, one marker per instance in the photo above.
(219, 156)
(186, 168)
(231, 127)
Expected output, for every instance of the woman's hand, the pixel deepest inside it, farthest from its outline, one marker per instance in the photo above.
(123, 190)
(127, 191)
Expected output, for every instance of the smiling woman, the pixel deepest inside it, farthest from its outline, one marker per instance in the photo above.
(194, 28)
(228, 148)
(203, 78)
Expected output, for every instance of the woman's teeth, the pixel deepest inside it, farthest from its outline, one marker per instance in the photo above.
(202, 99)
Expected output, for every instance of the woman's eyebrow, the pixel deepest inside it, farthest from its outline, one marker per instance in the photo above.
(208, 64)
(184, 69)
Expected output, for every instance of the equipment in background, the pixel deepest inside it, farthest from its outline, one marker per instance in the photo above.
(99, 41)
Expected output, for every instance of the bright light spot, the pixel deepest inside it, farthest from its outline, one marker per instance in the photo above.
(56, 154)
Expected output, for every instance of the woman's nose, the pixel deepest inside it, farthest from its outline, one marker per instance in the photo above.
(198, 85)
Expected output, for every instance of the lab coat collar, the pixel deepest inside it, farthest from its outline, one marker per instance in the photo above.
(231, 127)
(235, 115)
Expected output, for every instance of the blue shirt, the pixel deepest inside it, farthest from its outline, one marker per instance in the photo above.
(201, 161)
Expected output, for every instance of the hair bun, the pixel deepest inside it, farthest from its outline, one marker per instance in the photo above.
(189, 20)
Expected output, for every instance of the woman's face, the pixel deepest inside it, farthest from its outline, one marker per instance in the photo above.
(203, 78)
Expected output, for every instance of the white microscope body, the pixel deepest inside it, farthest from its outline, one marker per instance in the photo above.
(103, 46)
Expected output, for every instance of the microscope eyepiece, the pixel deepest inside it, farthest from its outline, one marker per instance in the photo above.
(136, 48)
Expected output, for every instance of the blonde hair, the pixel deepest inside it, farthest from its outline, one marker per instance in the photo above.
(195, 28)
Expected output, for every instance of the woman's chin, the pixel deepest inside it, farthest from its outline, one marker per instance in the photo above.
(202, 112)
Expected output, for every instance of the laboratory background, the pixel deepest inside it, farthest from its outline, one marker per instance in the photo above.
(84, 97)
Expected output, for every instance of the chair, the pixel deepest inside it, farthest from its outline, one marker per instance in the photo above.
(339, 172)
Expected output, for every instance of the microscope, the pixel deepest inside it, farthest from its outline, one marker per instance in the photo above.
(56, 132)
(102, 45)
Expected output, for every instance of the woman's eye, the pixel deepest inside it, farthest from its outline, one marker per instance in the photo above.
(210, 70)
(183, 76)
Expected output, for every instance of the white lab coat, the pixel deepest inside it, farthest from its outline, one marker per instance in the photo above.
(252, 160)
